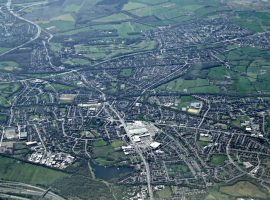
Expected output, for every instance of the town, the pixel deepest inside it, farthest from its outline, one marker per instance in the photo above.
(181, 112)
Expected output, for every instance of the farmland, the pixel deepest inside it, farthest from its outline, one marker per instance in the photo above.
(15, 170)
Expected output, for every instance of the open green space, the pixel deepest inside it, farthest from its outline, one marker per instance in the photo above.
(75, 61)
(101, 52)
(217, 159)
(178, 168)
(214, 194)
(165, 193)
(58, 25)
(202, 143)
(112, 18)
(117, 143)
(3, 118)
(126, 72)
(268, 125)
(253, 20)
(133, 5)
(8, 91)
(105, 153)
(248, 74)
(240, 119)
(58, 87)
(167, 10)
(244, 189)
(185, 101)
(197, 85)
(3, 50)
(55, 47)
(8, 66)
(124, 29)
(45, 97)
(81, 184)
(15, 170)
(174, 11)
(250, 67)
(72, 8)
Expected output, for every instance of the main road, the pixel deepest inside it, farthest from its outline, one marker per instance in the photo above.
(138, 150)
(16, 188)
(8, 5)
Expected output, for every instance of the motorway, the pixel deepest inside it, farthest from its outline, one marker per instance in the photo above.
(18, 189)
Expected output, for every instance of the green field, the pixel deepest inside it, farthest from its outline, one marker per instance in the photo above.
(240, 119)
(15, 170)
(3, 50)
(253, 20)
(197, 85)
(165, 193)
(56, 47)
(75, 61)
(72, 8)
(133, 5)
(244, 189)
(60, 25)
(217, 160)
(105, 153)
(178, 168)
(126, 72)
(102, 52)
(81, 186)
(216, 195)
(8, 91)
(185, 101)
(58, 87)
(8, 66)
(268, 125)
(124, 28)
(248, 74)
(112, 18)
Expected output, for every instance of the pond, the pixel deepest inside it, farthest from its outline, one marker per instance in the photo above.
(107, 173)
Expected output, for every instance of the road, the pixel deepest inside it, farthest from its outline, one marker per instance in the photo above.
(8, 5)
(138, 150)
(17, 188)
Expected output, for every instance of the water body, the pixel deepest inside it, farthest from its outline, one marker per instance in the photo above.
(107, 173)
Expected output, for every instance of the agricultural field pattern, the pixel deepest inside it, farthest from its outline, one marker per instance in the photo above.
(135, 99)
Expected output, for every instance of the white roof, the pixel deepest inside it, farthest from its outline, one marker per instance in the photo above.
(138, 130)
(136, 138)
(155, 145)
